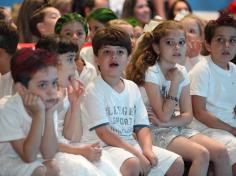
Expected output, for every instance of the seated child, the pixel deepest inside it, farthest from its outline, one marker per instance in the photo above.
(112, 109)
(8, 44)
(26, 119)
(213, 85)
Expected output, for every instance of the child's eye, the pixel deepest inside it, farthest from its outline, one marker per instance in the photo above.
(192, 31)
(220, 40)
(120, 52)
(42, 85)
(106, 52)
(68, 34)
(181, 42)
(170, 42)
(71, 59)
(232, 41)
(55, 83)
(79, 33)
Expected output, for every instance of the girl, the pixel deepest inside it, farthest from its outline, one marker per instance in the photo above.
(74, 27)
(164, 85)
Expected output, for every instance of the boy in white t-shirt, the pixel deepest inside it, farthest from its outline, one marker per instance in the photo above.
(213, 85)
(113, 109)
(8, 44)
(26, 119)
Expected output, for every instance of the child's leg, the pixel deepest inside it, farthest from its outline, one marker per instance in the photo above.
(130, 167)
(52, 168)
(40, 171)
(218, 154)
(197, 154)
(177, 168)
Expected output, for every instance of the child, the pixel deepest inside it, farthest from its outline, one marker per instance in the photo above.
(154, 67)
(43, 20)
(194, 28)
(8, 44)
(74, 27)
(113, 109)
(74, 158)
(26, 119)
(213, 85)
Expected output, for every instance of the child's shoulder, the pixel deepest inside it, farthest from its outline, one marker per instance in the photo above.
(9, 103)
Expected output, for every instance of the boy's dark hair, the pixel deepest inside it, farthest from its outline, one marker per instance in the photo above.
(2, 15)
(53, 43)
(9, 37)
(26, 62)
(37, 17)
(112, 35)
(225, 19)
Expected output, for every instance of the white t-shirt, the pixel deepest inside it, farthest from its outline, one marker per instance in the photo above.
(88, 74)
(103, 105)
(6, 85)
(154, 75)
(87, 54)
(15, 123)
(218, 86)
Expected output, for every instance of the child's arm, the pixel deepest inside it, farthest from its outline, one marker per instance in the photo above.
(92, 152)
(206, 117)
(72, 121)
(145, 141)
(111, 138)
(49, 145)
(29, 147)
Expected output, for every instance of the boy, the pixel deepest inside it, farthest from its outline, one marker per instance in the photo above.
(213, 85)
(74, 158)
(8, 44)
(26, 119)
(112, 109)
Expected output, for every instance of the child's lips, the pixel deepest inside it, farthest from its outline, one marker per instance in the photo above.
(114, 64)
(52, 101)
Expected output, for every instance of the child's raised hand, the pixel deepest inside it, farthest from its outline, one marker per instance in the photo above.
(75, 89)
(194, 46)
(175, 75)
(92, 152)
(33, 104)
(59, 102)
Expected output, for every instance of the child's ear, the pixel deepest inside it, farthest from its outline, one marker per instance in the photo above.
(20, 88)
(156, 48)
(207, 46)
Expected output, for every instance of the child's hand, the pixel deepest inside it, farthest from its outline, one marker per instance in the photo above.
(75, 90)
(145, 164)
(59, 102)
(155, 121)
(194, 46)
(175, 75)
(92, 152)
(33, 104)
(151, 157)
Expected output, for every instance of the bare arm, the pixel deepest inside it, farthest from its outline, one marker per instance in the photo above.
(200, 112)
(160, 8)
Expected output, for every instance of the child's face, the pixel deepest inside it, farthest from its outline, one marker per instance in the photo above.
(142, 11)
(44, 85)
(66, 68)
(112, 60)
(191, 27)
(74, 31)
(180, 6)
(94, 25)
(172, 47)
(223, 45)
(50, 19)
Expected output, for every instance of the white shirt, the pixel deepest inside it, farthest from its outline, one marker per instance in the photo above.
(191, 62)
(218, 86)
(103, 105)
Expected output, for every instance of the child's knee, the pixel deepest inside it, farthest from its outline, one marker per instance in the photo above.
(130, 167)
(40, 171)
(177, 168)
(52, 168)
(203, 155)
(220, 153)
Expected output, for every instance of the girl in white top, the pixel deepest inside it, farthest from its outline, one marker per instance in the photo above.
(213, 85)
(154, 66)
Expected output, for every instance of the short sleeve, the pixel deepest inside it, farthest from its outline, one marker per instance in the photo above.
(152, 75)
(93, 109)
(199, 80)
(186, 80)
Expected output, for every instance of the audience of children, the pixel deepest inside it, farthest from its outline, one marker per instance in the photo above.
(73, 113)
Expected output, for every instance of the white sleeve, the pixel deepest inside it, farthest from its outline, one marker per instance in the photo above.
(186, 77)
(93, 109)
(10, 125)
(199, 80)
(152, 76)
